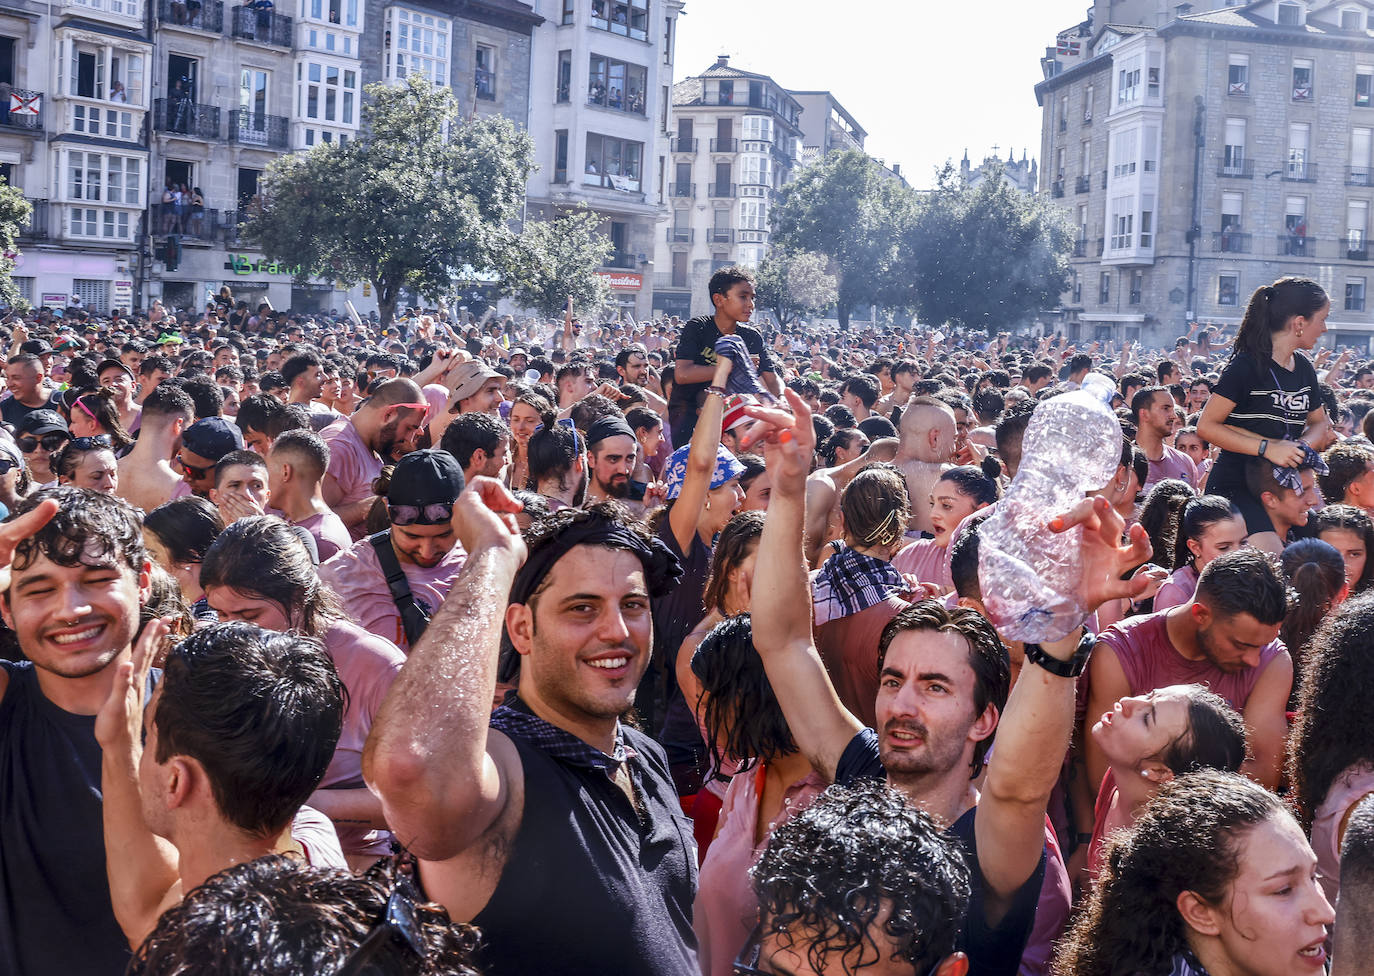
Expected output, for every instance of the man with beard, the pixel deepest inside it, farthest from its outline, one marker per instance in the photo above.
(1152, 409)
(387, 420)
(392, 581)
(1225, 639)
(611, 447)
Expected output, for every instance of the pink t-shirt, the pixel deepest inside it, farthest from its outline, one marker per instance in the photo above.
(356, 576)
(367, 666)
(1346, 790)
(926, 561)
(352, 464)
(315, 833)
(1178, 589)
(330, 533)
(1150, 660)
(1174, 464)
(725, 909)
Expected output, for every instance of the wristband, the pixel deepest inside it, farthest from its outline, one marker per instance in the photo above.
(1264, 446)
(717, 391)
(1071, 668)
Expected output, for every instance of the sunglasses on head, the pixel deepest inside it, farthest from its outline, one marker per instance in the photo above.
(51, 442)
(435, 514)
(395, 944)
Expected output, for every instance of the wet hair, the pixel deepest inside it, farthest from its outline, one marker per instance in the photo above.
(842, 440)
(66, 459)
(972, 483)
(1345, 462)
(987, 656)
(876, 427)
(963, 557)
(205, 394)
(736, 541)
(260, 711)
(186, 527)
(592, 408)
(875, 506)
(1194, 518)
(1159, 517)
(741, 716)
(1213, 739)
(1355, 520)
(753, 467)
(101, 405)
(261, 557)
(1244, 581)
(1270, 308)
(89, 528)
(1316, 573)
(829, 871)
(251, 459)
(470, 431)
(553, 451)
(1188, 838)
(642, 418)
(277, 916)
(1355, 910)
(165, 600)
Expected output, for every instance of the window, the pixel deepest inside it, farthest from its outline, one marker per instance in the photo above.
(613, 163)
(616, 85)
(751, 215)
(1084, 157)
(569, 7)
(1354, 294)
(1059, 164)
(485, 59)
(1302, 80)
(88, 222)
(1356, 224)
(1231, 209)
(1124, 153)
(629, 18)
(1238, 75)
(417, 43)
(326, 93)
(1123, 223)
(94, 294)
(1233, 152)
(88, 119)
(101, 72)
(1104, 288)
(679, 269)
(1295, 240)
(565, 76)
(1228, 288)
(1076, 286)
(1150, 150)
(667, 40)
(758, 128)
(1152, 72)
(1137, 287)
(756, 170)
(1364, 87)
(1147, 221)
(106, 177)
(1128, 83)
(727, 93)
(1361, 139)
(1290, 15)
(560, 156)
(1063, 112)
(1352, 20)
(1299, 139)
(1088, 104)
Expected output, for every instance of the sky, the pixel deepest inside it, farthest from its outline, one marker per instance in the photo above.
(925, 78)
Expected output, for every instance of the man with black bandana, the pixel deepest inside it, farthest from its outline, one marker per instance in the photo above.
(611, 447)
(548, 802)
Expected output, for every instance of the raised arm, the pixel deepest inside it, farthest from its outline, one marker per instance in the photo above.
(701, 461)
(781, 598)
(427, 755)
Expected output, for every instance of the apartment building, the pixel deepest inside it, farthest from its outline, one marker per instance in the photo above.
(599, 115)
(1207, 155)
(737, 142)
(826, 126)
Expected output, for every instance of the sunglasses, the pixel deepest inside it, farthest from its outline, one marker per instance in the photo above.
(395, 944)
(195, 471)
(435, 514)
(51, 442)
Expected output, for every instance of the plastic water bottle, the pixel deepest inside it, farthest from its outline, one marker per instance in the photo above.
(1030, 576)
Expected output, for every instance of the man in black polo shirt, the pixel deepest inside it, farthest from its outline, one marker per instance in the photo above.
(942, 694)
(732, 294)
(546, 823)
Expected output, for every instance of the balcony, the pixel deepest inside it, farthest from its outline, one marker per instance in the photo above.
(264, 26)
(1355, 248)
(1242, 169)
(1302, 92)
(1230, 242)
(1087, 118)
(682, 190)
(29, 116)
(680, 235)
(1297, 246)
(1080, 248)
(249, 128)
(206, 15)
(37, 227)
(679, 145)
(622, 260)
(1359, 177)
(722, 191)
(165, 219)
(1057, 188)
(227, 230)
(724, 145)
(720, 235)
(186, 118)
(751, 236)
(1082, 184)
(1300, 171)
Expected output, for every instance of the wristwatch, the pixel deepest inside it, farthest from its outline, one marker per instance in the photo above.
(1071, 668)
(1264, 446)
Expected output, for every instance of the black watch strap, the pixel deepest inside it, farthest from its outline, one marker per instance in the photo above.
(1071, 668)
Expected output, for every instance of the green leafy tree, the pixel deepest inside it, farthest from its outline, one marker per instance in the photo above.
(14, 215)
(421, 195)
(557, 261)
(793, 284)
(849, 209)
(985, 256)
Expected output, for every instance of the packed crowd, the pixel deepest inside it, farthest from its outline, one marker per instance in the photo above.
(512, 646)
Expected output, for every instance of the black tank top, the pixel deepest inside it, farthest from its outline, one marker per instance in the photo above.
(590, 887)
(55, 913)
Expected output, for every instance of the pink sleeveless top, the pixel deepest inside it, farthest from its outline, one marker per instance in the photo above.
(1346, 790)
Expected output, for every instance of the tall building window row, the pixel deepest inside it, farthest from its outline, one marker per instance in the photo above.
(341, 12)
(616, 85)
(417, 43)
(101, 72)
(326, 93)
(613, 163)
(101, 177)
(629, 18)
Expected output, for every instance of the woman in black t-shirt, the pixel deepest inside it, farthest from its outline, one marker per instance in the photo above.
(1266, 399)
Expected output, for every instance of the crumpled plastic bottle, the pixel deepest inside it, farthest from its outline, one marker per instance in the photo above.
(1030, 576)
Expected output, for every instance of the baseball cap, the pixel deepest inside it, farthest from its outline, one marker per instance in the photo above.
(212, 438)
(39, 422)
(170, 337)
(422, 478)
(734, 410)
(36, 347)
(468, 379)
(114, 364)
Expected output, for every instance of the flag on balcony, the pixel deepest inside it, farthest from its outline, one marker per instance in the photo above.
(1066, 46)
(25, 105)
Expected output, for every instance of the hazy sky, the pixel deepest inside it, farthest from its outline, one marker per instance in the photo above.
(925, 78)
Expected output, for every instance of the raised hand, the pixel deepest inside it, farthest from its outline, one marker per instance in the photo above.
(120, 721)
(484, 517)
(1105, 559)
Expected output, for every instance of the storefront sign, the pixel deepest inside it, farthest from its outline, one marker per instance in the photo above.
(123, 294)
(623, 280)
(54, 299)
(242, 264)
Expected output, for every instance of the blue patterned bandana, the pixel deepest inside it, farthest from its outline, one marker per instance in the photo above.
(675, 471)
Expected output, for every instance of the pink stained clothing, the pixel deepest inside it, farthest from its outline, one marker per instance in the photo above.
(315, 833)
(1106, 794)
(926, 561)
(1346, 790)
(1178, 589)
(1150, 660)
(352, 464)
(1173, 464)
(331, 535)
(357, 577)
(1051, 910)
(725, 909)
(367, 666)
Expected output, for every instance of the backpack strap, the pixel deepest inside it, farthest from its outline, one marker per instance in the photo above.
(414, 620)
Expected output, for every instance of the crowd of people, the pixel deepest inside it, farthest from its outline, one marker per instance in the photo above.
(510, 646)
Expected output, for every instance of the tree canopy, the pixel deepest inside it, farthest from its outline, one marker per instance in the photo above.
(557, 261)
(793, 284)
(14, 214)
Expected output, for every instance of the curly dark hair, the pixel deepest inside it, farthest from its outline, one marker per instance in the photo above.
(830, 871)
(89, 528)
(1332, 731)
(1187, 839)
(742, 717)
(275, 916)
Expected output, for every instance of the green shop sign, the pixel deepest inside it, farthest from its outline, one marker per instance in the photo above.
(242, 264)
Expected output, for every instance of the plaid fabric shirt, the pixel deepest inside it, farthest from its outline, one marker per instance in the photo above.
(851, 582)
(514, 718)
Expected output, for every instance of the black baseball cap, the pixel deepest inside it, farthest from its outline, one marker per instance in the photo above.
(428, 477)
(39, 422)
(212, 438)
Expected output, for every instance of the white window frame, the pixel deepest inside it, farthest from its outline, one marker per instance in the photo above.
(425, 45)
